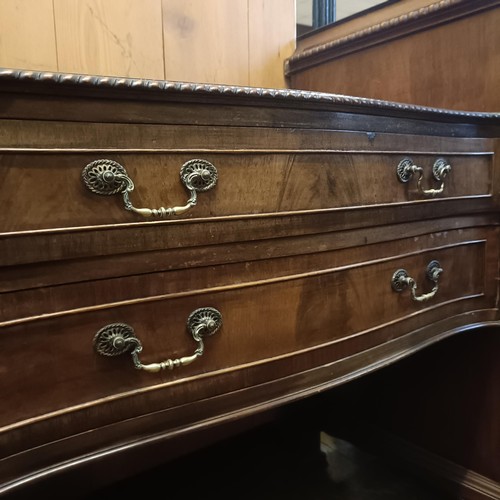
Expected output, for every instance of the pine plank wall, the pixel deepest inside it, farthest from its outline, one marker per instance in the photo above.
(237, 42)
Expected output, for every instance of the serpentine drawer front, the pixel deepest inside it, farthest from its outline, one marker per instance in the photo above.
(230, 330)
(68, 190)
(178, 256)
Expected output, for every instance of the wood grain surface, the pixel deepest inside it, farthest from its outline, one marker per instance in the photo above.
(296, 247)
(412, 64)
(247, 184)
(239, 42)
(28, 35)
(109, 37)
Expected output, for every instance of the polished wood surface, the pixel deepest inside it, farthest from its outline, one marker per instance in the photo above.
(292, 182)
(305, 322)
(169, 273)
(296, 246)
(442, 55)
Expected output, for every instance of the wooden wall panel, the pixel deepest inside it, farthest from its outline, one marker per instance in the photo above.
(271, 40)
(27, 36)
(110, 37)
(237, 42)
(451, 60)
(206, 41)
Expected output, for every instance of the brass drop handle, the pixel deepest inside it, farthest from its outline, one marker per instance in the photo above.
(119, 338)
(406, 169)
(401, 280)
(107, 177)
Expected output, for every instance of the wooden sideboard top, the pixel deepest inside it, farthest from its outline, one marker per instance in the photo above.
(62, 84)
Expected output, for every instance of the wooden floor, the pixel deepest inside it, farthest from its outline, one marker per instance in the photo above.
(278, 461)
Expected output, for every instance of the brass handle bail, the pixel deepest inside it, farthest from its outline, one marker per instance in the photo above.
(108, 177)
(119, 338)
(406, 169)
(401, 280)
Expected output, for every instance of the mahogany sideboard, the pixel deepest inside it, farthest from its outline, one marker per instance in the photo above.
(178, 256)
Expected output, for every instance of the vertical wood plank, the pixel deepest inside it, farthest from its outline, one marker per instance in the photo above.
(110, 37)
(239, 42)
(272, 36)
(27, 37)
(206, 41)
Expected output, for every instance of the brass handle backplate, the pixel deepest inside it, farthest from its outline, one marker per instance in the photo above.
(406, 169)
(401, 280)
(108, 177)
(119, 338)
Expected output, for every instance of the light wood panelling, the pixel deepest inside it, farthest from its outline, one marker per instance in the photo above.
(27, 38)
(110, 37)
(271, 40)
(206, 41)
(237, 42)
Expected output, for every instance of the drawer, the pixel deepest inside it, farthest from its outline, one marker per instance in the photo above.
(50, 192)
(271, 328)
